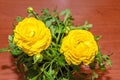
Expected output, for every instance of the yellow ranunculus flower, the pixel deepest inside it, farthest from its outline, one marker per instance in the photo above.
(32, 36)
(78, 47)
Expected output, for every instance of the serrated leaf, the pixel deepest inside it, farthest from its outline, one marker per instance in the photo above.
(11, 45)
(15, 51)
(109, 62)
(107, 59)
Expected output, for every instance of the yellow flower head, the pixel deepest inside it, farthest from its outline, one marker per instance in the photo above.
(78, 47)
(32, 36)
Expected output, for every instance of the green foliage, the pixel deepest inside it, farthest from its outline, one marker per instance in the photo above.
(37, 58)
(19, 18)
(4, 50)
(13, 49)
(94, 75)
(101, 59)
(85, 26)
(97, 37)
(51, 65)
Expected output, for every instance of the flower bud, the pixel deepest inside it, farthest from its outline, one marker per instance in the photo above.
(37, 58)
(29, 9)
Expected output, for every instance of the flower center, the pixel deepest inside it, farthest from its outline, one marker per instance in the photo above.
(32, 33)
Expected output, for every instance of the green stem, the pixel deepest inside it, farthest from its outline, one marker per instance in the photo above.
(57, 40)
(47, 66)
(35, 14)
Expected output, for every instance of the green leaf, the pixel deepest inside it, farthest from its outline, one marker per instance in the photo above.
(67, 18)
(109, 62)
(98, 57)
(4, 50)
(15, 51)
(97, 37)
(88, 26)
(65, 12)
(94, 75)
(61, 61)
(85, 26)
(107, 59)
(49, 22)
(100, 61)
(45, 11)
(10, 38)
(102, 66)
(19, 18)
(49, 75)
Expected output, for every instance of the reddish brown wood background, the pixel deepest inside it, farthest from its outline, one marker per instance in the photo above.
(103, 14)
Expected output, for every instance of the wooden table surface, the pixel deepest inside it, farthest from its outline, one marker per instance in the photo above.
(103, 14)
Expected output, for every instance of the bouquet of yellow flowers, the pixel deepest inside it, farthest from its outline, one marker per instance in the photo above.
(50, 47)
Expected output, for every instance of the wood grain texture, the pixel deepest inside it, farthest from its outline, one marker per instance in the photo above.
(103, 14)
